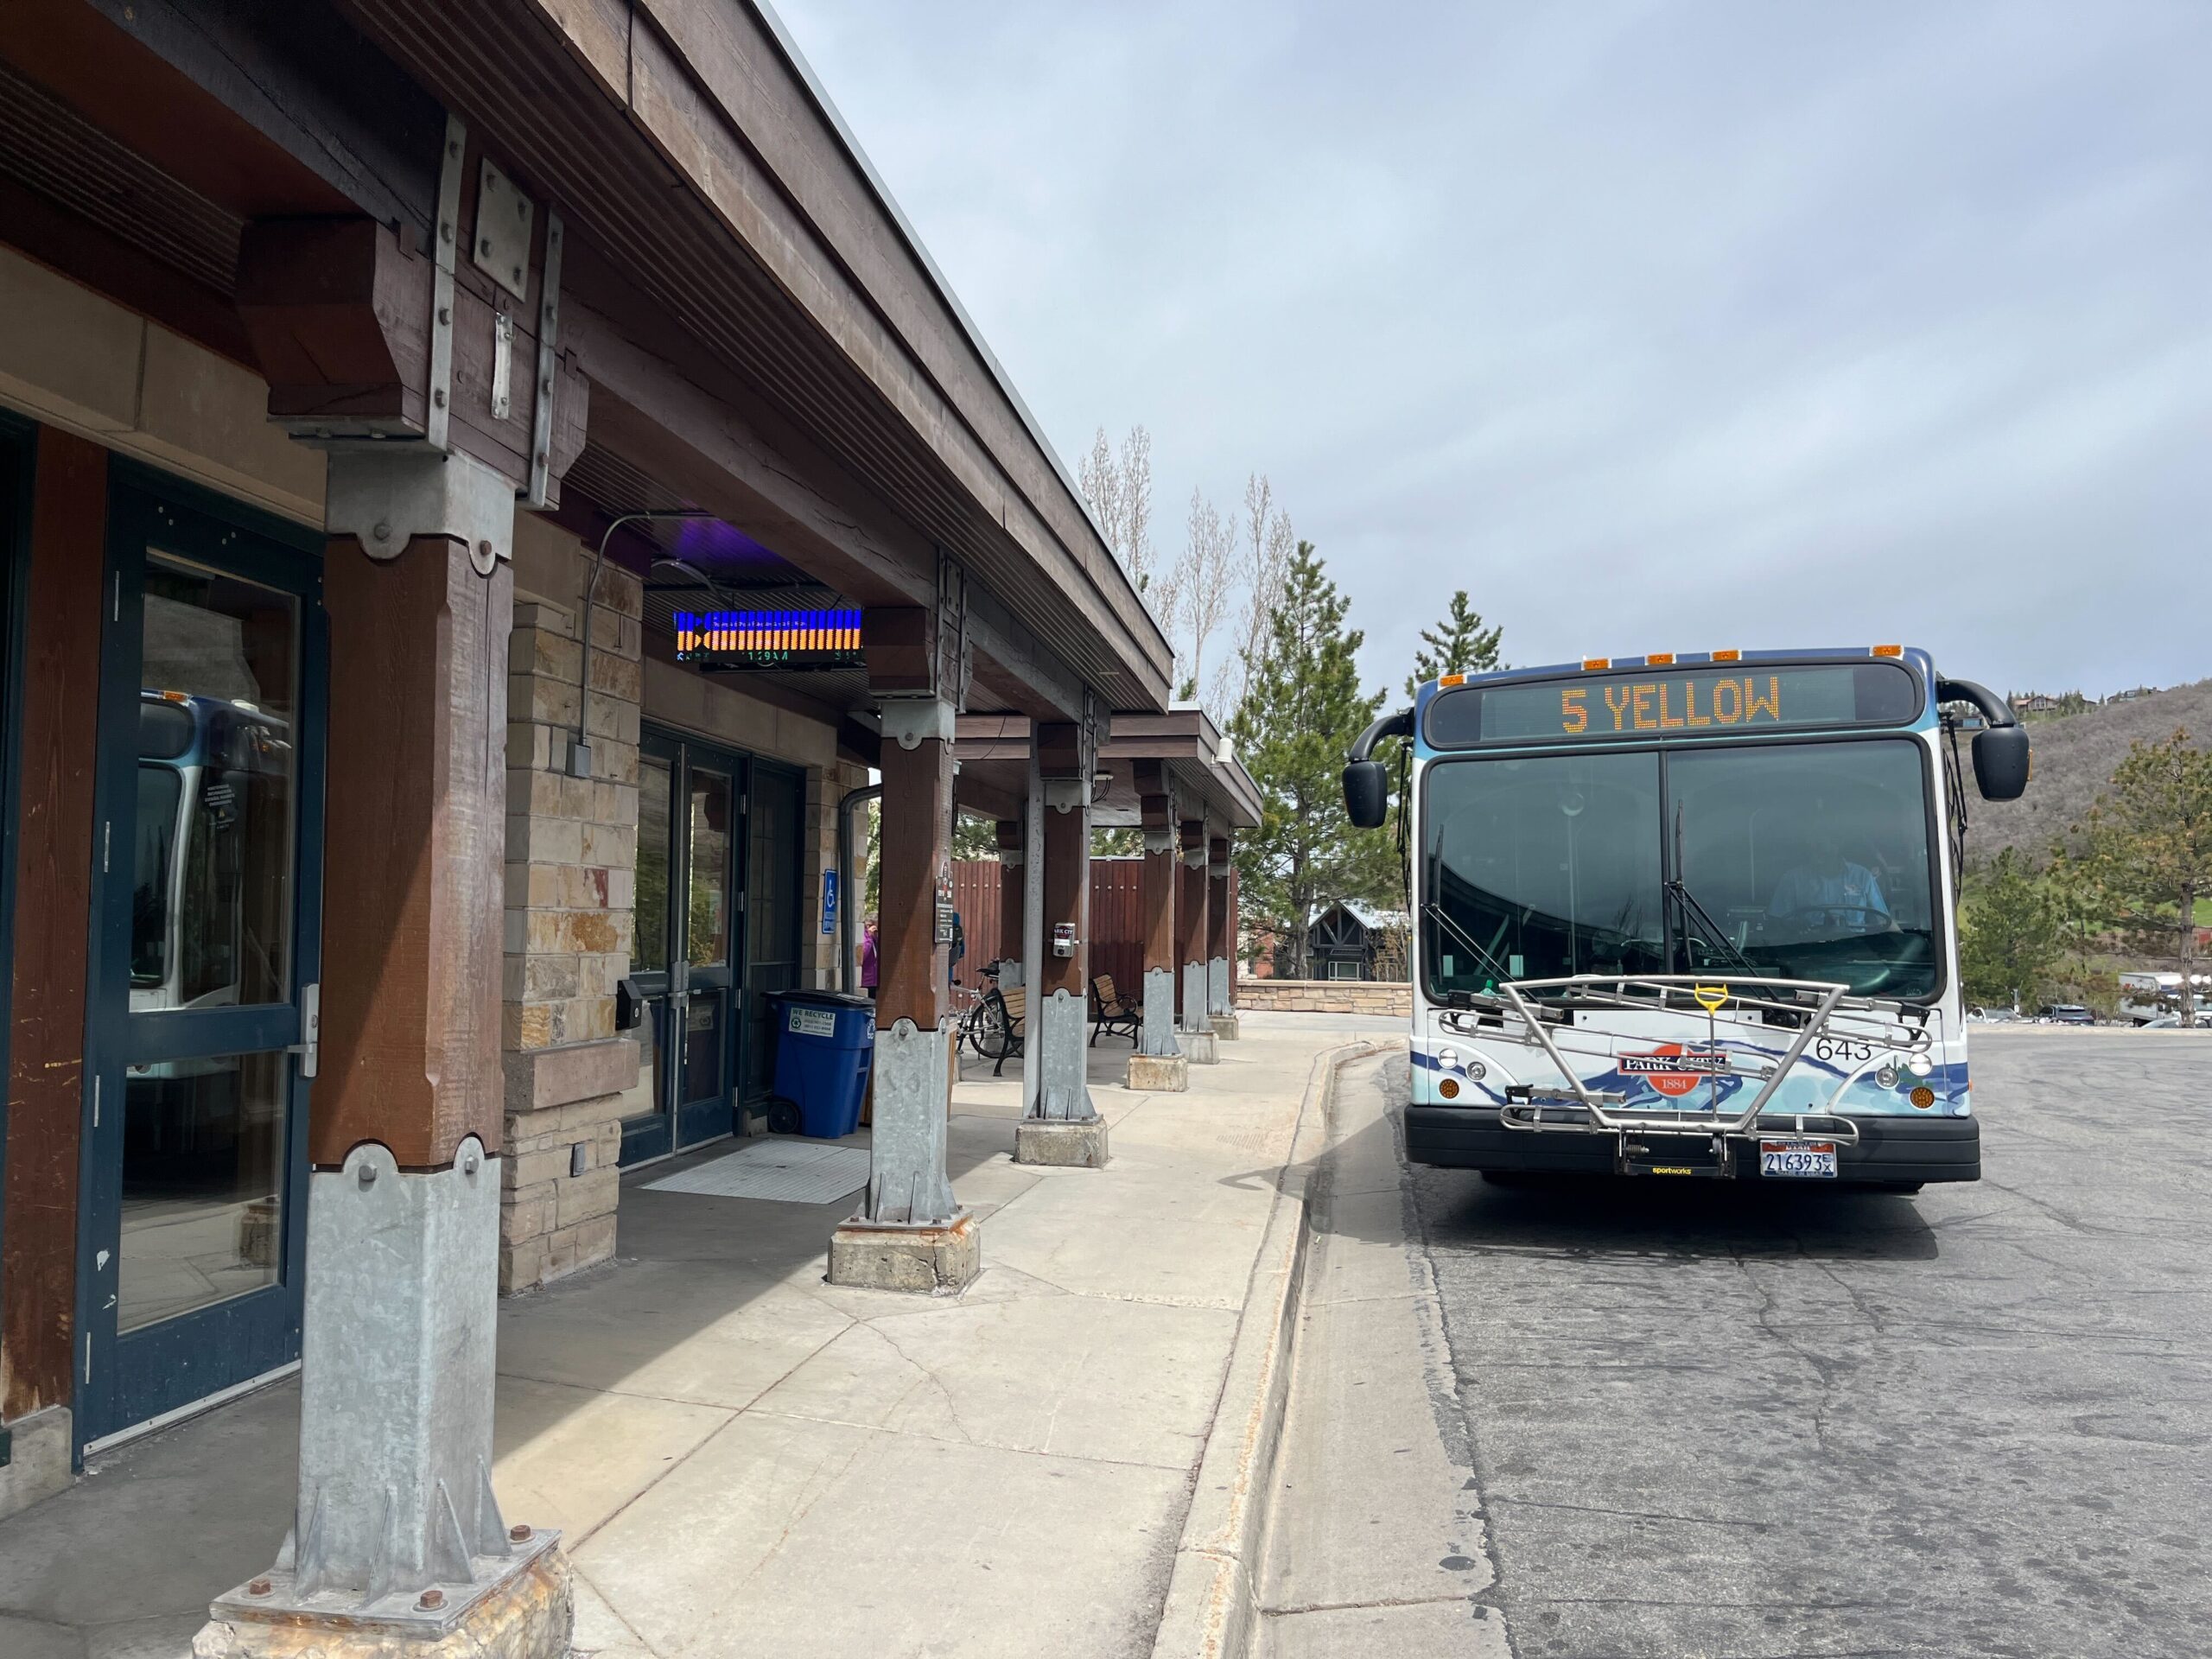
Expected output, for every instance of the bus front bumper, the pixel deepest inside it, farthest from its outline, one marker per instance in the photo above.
(1888, 1150)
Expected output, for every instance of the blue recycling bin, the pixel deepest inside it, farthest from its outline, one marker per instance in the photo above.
(825, 1042)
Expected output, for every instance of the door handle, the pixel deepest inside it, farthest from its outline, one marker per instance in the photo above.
(309, 1048)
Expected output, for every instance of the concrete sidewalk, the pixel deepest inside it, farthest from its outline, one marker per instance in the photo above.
(746, 1460)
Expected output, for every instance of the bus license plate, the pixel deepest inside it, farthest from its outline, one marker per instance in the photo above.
(1799, 1160)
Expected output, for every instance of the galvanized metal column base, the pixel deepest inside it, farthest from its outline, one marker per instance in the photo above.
(906, 1183)
(1080, 1144)
(1198, 1028)
(1157, 1036)
(397, 1546)
(1010, 977)
(1224, 1028)
(1158, 1074)
(911, 1233)
(1063, 1021)
(1218, 987)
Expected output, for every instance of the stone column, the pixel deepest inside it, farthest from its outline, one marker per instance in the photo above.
(1012, 900)
(1158, 1064)
(396, 1529)
(1221, 941)
(571, 851)
(911, 1233)
(1059, 1124)
(1193, 934)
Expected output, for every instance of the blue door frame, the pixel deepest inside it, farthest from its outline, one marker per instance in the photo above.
(683, 1116)
(125, 1378)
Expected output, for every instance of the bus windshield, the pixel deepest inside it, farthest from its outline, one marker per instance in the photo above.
(1797, 860)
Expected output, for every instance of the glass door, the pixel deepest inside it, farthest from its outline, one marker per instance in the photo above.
(689, 936)
(206, 952)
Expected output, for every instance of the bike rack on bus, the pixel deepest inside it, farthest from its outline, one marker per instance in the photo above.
(1817, 1008)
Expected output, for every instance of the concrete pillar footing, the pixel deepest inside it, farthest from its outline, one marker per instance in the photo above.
(519, 1607)
(1158, 1074)
(1225, 1026)
(1199, 1048)
(1067, 1143)
(941, 1260)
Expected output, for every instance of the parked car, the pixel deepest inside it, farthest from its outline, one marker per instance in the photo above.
(2067, 1013)
(1997, 1016)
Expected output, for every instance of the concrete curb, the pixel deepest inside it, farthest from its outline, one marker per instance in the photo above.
(1212, 1598)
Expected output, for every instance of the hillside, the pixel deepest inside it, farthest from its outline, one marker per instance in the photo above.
(2075, 756)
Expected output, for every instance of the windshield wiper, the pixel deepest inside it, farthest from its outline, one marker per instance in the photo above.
(1715, 935)
(1437, 911)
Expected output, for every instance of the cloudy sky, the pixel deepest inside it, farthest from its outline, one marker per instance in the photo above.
(1655, 326)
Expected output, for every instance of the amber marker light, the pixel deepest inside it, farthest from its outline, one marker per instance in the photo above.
(1449, 1089)
(1728, 655)
(1661, 660)
(1451, 679)
(1596, 662)
(1924, 1097)
(1888, 651)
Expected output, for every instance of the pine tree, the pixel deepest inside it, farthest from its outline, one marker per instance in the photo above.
(2011, 935)
(1459, 645)
(2146, 850)
(1292, 734)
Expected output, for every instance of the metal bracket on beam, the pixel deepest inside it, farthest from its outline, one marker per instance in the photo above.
(386, 498)
(907, 720)
(438, 414)
(549, 320)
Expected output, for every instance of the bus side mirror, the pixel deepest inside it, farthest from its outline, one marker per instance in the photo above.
(2002, 763)
(1366, 794)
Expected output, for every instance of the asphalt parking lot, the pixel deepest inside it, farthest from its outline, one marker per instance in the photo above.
(1755, 1423)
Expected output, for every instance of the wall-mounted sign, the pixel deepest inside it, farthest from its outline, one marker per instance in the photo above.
(769, 638)
(828, 902)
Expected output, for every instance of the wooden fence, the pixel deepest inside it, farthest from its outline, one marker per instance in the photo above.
(1116, 927)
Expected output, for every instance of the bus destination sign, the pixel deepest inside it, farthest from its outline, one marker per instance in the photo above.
(1684, 702)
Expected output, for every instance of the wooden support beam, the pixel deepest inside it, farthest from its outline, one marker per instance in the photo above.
(416, 842)
(53, 873)
(1063, 760)
(1011, 876)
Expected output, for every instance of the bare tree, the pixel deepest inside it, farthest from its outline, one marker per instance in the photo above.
(1205, 580)
(1100, 479)
(1137, 505)
(1265, 551)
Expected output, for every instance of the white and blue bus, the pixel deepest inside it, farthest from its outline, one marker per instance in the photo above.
(1691, 914)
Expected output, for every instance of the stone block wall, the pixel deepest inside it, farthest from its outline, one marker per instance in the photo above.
(571, 878)
(1326, 996)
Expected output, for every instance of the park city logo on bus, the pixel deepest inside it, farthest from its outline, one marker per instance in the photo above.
(1673, 1070)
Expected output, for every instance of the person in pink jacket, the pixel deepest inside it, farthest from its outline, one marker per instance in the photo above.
(868, 956)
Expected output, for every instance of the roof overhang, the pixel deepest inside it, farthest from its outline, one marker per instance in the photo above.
(1208, 781)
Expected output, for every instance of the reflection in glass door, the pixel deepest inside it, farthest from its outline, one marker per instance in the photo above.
(205, 954)
(689, 935)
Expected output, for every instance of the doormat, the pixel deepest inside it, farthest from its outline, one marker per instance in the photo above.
(785, 1171)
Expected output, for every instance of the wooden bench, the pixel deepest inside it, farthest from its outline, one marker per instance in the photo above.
(1111, 1011)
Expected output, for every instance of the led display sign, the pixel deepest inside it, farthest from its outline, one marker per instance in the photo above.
(1664, 705)
(769, 638)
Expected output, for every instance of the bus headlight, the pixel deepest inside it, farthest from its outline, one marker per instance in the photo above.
(1918, 1064)
(1476, 1070)
(1446, 1058)
(1887, 1077)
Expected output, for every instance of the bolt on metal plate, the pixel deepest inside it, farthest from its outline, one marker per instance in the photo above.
(501, 245)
